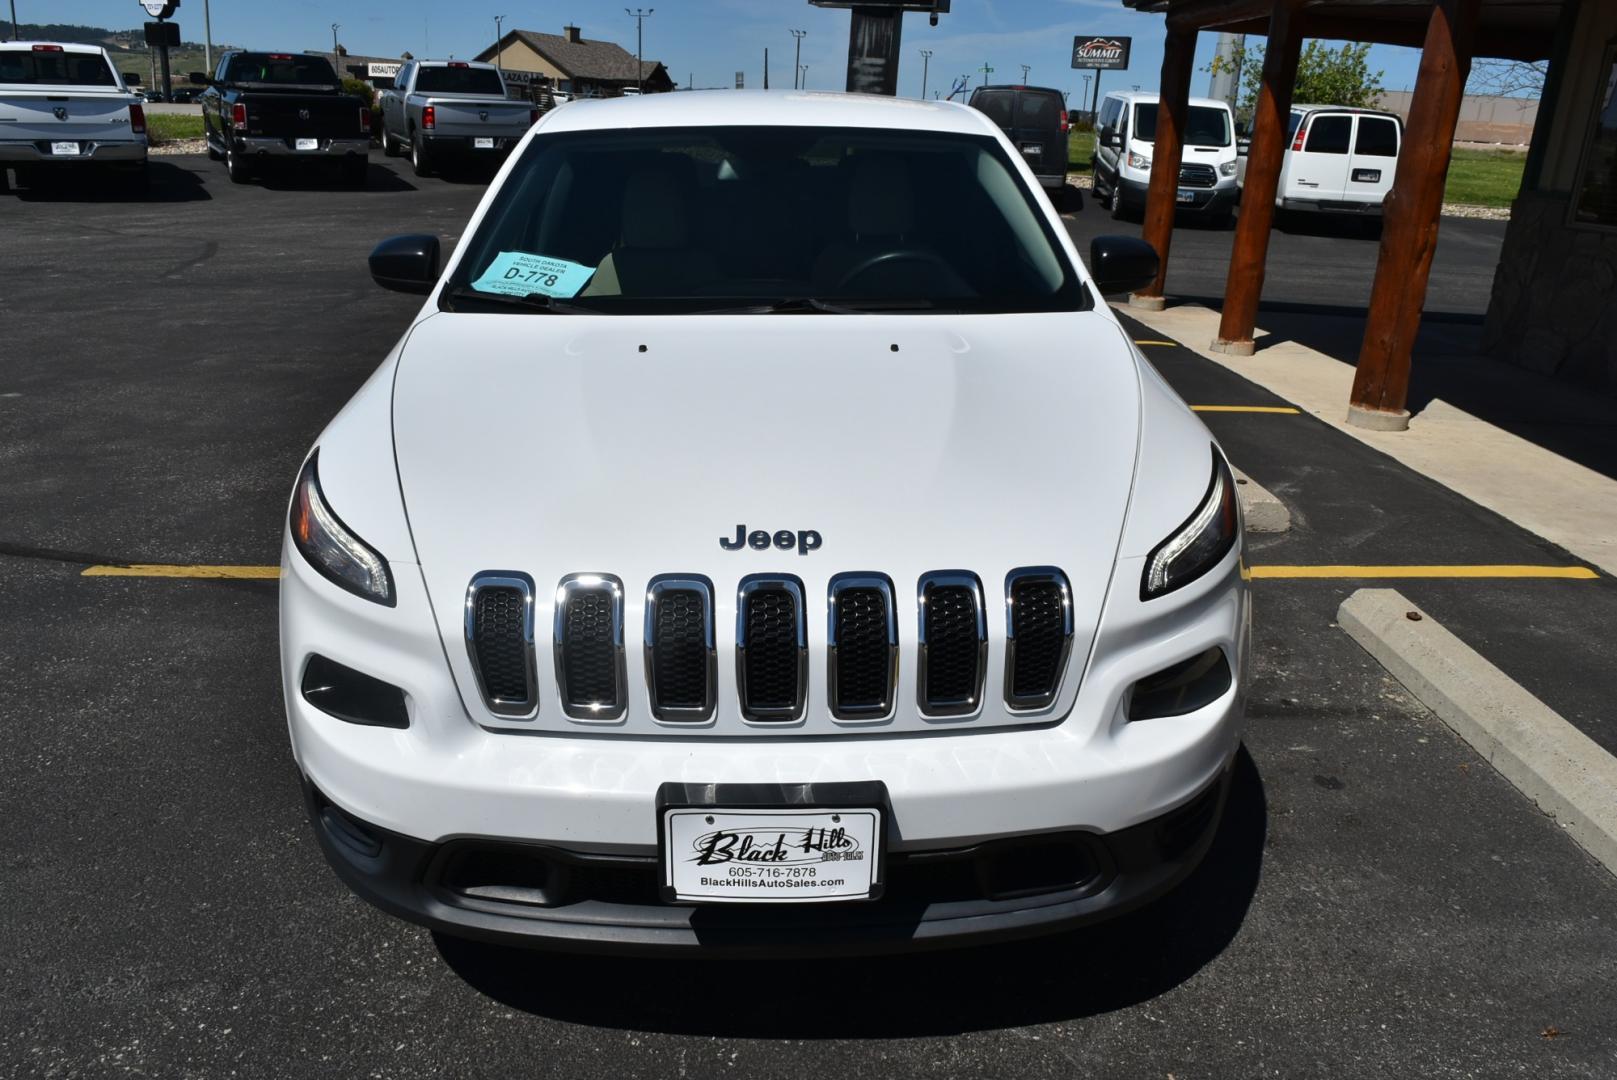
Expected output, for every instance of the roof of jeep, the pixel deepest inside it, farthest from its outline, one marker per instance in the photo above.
(747, 108)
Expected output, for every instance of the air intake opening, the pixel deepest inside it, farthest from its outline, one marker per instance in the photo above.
(499, 641)
(771, 649)
(589, 646)
(680, 658)
(1038, 635)
(500, 876)
(862, 646)
(953, 651)
(351, 695)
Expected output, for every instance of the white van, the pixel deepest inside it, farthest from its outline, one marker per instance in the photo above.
(1125, 131)
(1338, 160)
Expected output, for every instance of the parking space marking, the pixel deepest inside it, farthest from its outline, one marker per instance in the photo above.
(240, 573)
(1572, 573)
(1285, 410)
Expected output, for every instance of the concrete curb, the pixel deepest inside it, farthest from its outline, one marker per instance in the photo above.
(1262, 512)
(1566, 773)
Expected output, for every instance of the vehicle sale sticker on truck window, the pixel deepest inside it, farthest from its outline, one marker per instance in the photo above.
(518, 273)
(770, 856)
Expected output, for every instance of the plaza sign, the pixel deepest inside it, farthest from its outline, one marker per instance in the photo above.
(1101, 53)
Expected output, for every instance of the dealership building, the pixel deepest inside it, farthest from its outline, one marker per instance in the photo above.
(571, 62)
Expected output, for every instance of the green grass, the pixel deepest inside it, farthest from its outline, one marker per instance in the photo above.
(1080, 148)
(1484, 177)
(169, 127)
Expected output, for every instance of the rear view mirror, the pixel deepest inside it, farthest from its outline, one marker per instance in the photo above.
(408, 263)
(1121, 264)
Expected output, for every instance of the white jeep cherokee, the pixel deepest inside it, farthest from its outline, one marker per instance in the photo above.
(764, 538)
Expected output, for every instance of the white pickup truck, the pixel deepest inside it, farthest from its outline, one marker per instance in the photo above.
(439, 108)
(65, 106)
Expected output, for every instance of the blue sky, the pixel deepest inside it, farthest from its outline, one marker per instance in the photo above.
(709, 40)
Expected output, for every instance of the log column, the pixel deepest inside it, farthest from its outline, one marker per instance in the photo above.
(1412, 210)
(1244, 286)
(1161, 200)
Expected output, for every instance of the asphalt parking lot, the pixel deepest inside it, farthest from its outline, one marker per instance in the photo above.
(1378, 902)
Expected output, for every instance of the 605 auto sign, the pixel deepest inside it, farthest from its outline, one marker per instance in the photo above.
(1101, 53)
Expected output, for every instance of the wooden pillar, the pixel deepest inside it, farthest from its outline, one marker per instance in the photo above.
(1244, 286)
(1178, 60)
(1412, 210)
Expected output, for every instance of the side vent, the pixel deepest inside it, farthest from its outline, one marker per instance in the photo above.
(862, 647)
(681, 664)
(499, 641)
(771, 648)
(589, 647)
(953, 644)
(1038, 636)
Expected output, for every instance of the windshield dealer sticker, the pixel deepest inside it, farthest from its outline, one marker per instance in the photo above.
(517, 273)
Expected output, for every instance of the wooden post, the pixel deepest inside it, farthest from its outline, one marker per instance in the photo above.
(1178, 59)
(1411, 211)
(1244, 286)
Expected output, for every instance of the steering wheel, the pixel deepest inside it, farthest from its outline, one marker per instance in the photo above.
(885, 258)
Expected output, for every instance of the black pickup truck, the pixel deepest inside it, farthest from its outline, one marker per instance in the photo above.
(264, 108)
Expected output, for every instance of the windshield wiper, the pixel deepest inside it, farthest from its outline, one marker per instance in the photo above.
(535, 302)
(808, 305)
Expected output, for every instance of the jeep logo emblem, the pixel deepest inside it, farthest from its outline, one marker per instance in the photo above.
(804, 540)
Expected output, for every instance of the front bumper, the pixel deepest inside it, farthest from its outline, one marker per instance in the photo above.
(38, 152)
(1213, 201)
(286, 148)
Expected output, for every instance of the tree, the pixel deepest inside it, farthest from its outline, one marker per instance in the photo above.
(1508, 78)
(1325, 76)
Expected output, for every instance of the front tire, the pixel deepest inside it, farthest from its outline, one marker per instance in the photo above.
(1114, 200)
(420, 158)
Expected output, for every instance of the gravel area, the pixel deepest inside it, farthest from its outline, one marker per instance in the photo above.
(1486, 213)
(178, 146)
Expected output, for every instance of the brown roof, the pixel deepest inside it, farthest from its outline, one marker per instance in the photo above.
(603, 61)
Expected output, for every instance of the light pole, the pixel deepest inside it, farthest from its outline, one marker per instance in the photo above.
(639, 16)
(16, 33)
(335, 61)
(926, 63)
(1085, 99)
(1025, 70)
(797, 58)
(207, 36)
(805, 76)
(987, 71)
(499, 36)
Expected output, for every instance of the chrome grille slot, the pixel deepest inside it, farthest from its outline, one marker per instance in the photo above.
(771, 649)
(1197, 175)
(589, 646)
(681, 663)
(1038, 635)
(861, 647)
(952, 656)
(499, 641)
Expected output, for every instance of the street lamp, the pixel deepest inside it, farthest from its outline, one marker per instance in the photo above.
(499, 35)
(639, 16)
(207, 35)
(926, 63)
(797, 59)
(1025, 70)
(336, 61)
(805, 76)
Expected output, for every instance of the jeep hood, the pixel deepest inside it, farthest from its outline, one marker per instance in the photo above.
(557, 444)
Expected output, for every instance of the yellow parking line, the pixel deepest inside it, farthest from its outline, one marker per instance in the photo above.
(251, 573)
(1285, 409)
(1575, 573)
(1169, 344)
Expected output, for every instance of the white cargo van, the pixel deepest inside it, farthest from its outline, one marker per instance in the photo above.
(64, 106)
(1338, 160)
(1125, 132)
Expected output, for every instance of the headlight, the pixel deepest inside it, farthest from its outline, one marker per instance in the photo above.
(1200, 543)
(322, 538)
(1138, 161)
(1227, 168)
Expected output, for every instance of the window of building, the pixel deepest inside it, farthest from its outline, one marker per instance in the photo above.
(1594, 200)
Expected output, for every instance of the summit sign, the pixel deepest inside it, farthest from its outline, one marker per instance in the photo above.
(1101, 53)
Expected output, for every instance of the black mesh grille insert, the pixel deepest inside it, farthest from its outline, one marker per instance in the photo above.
(589, 653)
(770, 663)
(1196, 174)
(951, 644)
(1040, 629)
(502, 654)
(863, 655)
(679, 656)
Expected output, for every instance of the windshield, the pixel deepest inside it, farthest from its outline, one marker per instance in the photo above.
(1205, 126)
(54, 69)
(716, 219)
(281, 69)
(459, 80)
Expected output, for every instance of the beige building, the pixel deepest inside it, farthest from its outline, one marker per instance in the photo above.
(568, 61)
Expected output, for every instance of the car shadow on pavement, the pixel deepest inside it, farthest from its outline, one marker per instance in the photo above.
(1097, 969)
(166, 184)
(379, 180)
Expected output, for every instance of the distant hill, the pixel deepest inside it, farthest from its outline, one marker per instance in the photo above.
(111, 40)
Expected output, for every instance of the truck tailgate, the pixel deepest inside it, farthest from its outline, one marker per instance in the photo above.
(479, 116)
(65, 114)
(309, 116)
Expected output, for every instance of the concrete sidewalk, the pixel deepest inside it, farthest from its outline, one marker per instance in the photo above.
(1558, 499)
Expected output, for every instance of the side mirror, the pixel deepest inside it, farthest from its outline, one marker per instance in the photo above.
(1114, 140)
(198, 79)
(406, 263)
(1243, 146)
(1121, 264)
(131, 78)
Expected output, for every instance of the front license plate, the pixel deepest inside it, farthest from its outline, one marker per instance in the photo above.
(483, 144)
(1186, 196)
(64, 149)
(770, 856)
(308, 144)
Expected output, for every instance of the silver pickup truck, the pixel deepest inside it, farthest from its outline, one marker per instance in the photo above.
(439, 108)
(64, 107)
